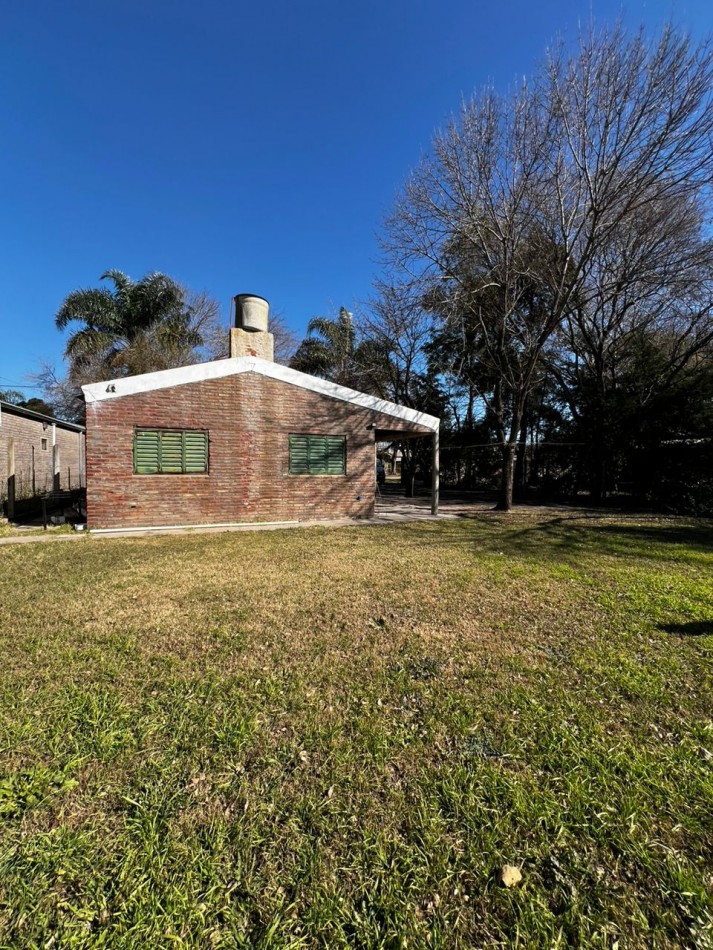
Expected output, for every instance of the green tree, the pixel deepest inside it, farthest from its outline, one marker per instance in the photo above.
(332, 349)
(35, 404)
(136, 327)
(12, 396)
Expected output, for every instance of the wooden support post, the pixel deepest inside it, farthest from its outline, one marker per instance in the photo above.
(435, 475)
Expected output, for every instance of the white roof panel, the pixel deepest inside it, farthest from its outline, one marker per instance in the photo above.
(200, 372)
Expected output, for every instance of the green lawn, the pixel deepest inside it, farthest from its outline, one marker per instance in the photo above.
(336, 738)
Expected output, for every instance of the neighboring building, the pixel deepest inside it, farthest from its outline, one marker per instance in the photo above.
(392, 457)
(38, 454)
(236, 440)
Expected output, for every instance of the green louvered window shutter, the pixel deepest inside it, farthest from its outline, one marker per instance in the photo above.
(335, 455)
(195, 452)
(317, 455)
(299, 455)
(147, 454)
(170, 452)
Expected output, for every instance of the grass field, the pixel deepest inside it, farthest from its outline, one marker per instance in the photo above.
(336, 738)
(10, 531)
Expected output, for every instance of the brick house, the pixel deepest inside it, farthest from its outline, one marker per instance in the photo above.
(38, 454)
(236, 440)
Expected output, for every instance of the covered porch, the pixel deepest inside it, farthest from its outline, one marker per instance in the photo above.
(401, 488)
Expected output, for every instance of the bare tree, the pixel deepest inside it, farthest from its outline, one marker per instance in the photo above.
(653, 281)
(555, 203)
(632, 170)
(64, 396)
(13, 396)
(395, 329)
(285, 338)
(468, 231)
(398, 328)
(207, 321)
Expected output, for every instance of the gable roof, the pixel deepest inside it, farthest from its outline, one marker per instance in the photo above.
(11, 409)
(200, 372)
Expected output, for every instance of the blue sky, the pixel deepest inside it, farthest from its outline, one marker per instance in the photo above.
(238, 147)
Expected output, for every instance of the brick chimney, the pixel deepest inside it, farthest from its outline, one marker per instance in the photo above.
(249, 336)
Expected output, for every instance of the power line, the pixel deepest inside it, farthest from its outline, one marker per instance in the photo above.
(9, 382)
(498, 445)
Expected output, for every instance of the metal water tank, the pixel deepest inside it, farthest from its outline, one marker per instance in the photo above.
(251, 312)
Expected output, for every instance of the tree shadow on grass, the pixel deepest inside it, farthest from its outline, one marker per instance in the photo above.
(648, 540)
(575, 535)
(695, 628)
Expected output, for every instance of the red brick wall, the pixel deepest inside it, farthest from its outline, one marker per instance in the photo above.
(27, 434)
(249, 418)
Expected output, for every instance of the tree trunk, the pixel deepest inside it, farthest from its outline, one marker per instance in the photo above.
(600, 425)
(599, 477)
(507, 477)
(408, 470)
(520, 481)
(598, 472)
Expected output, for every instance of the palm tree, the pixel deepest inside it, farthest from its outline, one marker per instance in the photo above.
(139, 326)
(331, 350)
(328, 349)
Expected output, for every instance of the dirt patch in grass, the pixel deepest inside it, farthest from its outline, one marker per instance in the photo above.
(337, 737)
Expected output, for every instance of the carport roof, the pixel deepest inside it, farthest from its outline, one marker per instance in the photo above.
(199, 372)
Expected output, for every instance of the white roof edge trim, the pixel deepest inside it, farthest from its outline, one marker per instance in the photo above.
(200, 372)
